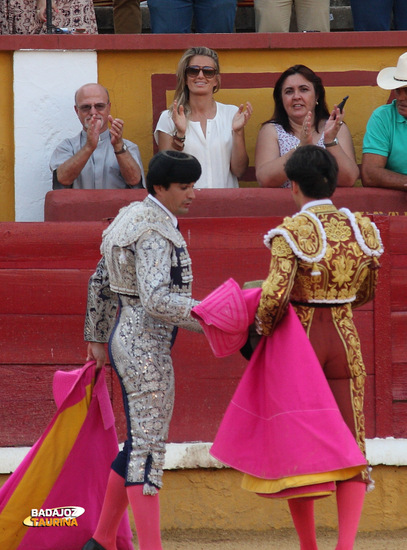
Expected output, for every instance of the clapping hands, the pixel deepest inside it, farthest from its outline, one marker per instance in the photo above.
(242, 117)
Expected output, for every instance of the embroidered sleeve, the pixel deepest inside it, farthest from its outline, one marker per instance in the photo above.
(101, 307)
(277, 287)
(154, 257)
(367, 290)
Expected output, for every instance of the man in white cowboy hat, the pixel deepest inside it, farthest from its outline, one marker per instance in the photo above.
(384, 162)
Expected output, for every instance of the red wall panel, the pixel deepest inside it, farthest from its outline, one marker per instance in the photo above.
(44, 268)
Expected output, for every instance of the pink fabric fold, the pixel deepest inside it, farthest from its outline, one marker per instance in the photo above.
(223, 316)
(80, 472)
(283, 420)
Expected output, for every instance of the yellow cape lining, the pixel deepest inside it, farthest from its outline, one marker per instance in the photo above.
(259, 485)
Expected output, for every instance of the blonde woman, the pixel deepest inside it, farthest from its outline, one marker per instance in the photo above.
(198, 125)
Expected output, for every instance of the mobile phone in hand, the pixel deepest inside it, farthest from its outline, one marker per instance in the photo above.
(341, 105)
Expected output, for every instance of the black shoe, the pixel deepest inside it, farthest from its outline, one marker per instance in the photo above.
(92, 544)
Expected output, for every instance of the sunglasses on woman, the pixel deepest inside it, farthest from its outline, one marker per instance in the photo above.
(194, 70)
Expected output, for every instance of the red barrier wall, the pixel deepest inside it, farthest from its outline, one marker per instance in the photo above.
(44, 268)
(96, 205)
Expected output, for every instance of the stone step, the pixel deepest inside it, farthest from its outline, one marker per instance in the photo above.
(341, 18)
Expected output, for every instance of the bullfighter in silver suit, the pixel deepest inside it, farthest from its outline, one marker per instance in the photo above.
(138, 296)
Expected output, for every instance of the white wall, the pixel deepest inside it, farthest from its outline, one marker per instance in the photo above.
(390, 452)
(44, 86)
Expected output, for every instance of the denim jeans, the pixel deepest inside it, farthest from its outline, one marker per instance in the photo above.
(175, 16)
(375, 15)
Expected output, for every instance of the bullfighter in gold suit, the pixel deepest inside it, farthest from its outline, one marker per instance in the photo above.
(325, 262)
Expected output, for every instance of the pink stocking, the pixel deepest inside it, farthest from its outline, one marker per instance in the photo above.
(349, 496)
(146, 512)
(302, 512)
(114, 506)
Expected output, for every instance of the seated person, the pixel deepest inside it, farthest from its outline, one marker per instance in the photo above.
(301, 117)
(211, 131)
(99, 157)
(30, 16)
(384, 161)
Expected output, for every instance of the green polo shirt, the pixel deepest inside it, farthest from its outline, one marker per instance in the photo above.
(386, 135)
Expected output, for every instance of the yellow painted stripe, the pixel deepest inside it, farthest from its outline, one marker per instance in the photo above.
(257, 485)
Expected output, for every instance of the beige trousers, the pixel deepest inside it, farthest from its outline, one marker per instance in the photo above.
(126, 16)
(275, 15)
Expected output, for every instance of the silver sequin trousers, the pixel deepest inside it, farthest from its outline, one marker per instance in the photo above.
(140, 353)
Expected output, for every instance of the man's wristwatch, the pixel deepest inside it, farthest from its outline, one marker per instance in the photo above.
(332, 143)
(122, 150)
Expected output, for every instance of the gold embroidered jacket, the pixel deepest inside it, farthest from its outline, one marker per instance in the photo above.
(320, 255)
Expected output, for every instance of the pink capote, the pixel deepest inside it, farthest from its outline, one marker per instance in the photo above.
(83, 477)
(224, 318)
(283, 420)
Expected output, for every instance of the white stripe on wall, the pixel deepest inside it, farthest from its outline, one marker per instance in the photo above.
(389, 452)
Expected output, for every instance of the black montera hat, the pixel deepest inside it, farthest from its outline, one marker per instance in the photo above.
(172, 167)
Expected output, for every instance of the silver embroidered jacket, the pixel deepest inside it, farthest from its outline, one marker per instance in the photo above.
(145, 267)
(146, 257)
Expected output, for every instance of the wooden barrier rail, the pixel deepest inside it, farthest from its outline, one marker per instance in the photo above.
(95, 205)
(44, 268)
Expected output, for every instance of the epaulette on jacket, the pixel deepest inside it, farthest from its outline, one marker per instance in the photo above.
(304, 234)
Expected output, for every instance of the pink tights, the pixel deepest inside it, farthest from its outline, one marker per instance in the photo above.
(146, 512)
(349, 497)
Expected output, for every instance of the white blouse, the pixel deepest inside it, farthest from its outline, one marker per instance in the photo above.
(213, 151)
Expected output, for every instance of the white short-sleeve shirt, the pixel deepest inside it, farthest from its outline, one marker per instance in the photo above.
(213, 151)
